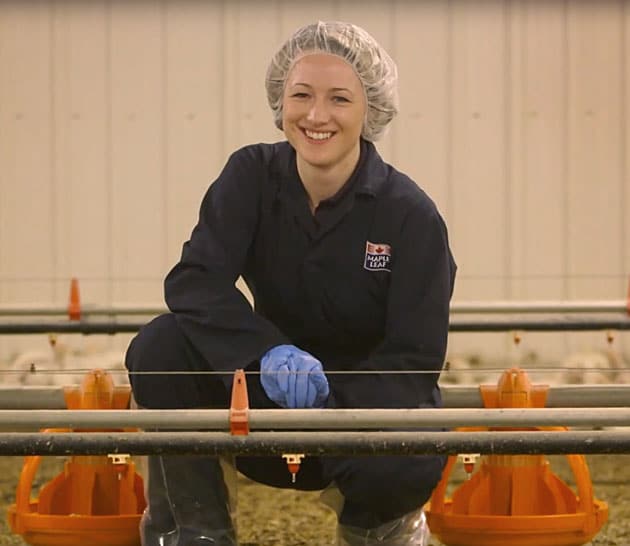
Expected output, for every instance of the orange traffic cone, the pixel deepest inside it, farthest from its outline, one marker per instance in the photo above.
(96, 500)
(516, 499)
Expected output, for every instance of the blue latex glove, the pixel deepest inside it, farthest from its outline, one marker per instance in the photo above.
(293, 378)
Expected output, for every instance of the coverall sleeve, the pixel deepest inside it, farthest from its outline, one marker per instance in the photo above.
(200, 290)
(416, 330)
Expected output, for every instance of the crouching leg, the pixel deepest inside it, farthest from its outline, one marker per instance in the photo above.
(408, 530)
(379, 500)
(188, 503)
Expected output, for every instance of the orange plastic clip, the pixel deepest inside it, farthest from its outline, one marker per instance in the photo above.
(74, 304)
(239, 407)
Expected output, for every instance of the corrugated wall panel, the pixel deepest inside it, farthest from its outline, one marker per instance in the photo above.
(28, 255)
(422, 138)
(248, 48)
(514, 130)
(138, 137)
(82, 161)
(594, 148)
(537, 163)
(540, 157)
(195, 150)
(27, 147)
(479, 166)
(595, 152)
(479, 149)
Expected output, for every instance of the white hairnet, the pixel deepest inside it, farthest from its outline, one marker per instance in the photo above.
(373, 66)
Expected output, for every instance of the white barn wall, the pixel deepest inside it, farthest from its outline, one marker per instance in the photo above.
(115, 116)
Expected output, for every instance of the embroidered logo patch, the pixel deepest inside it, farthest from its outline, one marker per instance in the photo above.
(377, 256)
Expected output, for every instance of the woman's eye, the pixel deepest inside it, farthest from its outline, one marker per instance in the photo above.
(339, 98)
(299, 95)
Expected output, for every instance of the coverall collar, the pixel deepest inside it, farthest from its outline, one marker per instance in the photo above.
(367, 178)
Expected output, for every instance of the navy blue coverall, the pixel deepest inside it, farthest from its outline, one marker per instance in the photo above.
(363, 284)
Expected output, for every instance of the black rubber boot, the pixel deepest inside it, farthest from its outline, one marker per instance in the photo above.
(188, 503)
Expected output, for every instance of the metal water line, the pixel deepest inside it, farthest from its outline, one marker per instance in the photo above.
(540, 324)
(468, 307)
(316, 419)
(316, 443)
(554, 307)
(453, 396)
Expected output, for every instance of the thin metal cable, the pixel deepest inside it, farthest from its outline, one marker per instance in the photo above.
(68, 371)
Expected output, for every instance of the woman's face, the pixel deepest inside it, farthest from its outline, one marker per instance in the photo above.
(323, 110)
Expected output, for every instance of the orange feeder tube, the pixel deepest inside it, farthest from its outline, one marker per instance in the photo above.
(516, 499)
(96, 500)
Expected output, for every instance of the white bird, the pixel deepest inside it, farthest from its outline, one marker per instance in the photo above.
(64, 365)
(591, 367)
(39, 367)
(110, 360)
(460, 370)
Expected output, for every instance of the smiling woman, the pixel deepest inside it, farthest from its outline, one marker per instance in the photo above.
(322, 116)
(372, 65)
(351, 273)
(329, 85)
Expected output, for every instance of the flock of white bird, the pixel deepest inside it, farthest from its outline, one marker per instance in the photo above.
(64, 363)
(598, 367)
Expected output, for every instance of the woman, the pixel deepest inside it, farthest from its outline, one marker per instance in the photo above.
(350, 270)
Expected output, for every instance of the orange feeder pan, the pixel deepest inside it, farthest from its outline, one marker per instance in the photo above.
(516, 499)
(566, 530)
(574, 521)
(96, 500)
(72, 509)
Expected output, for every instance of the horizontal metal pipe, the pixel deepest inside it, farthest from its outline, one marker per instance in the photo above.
(87, 310)
(315, 443)
(453, 396)
(566, 324)
(70, 327)
(542, 306)
(315, 419)
(477, 307)
(558, 396)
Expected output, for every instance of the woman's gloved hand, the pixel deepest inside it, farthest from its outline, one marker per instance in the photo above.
(293, 378)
